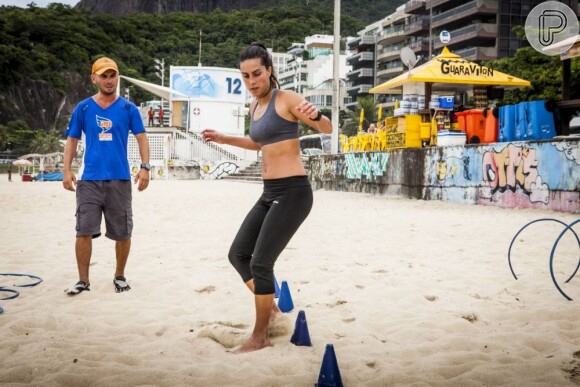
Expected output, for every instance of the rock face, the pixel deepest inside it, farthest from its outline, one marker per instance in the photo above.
(160, 7)
(40, 105)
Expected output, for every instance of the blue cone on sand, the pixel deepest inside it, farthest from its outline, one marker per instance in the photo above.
(329, 372)
(301, 337)
(285, 301)
(276, 288)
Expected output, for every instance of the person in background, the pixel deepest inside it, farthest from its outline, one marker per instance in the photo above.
(372, 128)
(10, 172)
(151, 115)
(287, 196)
(103, 185)
(161, 114)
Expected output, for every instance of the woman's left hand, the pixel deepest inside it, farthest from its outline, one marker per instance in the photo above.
(308, 109)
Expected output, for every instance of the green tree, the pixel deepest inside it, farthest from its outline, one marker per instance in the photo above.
(19, 136)
(351, 124)
(44, 142)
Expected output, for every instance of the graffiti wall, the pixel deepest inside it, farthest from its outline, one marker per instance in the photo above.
(543, 175)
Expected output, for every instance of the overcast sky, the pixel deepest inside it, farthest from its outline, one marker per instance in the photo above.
(39, 3)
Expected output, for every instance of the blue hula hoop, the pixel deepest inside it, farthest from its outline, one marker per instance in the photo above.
(16, 293)
(568, 227)
(24, 275)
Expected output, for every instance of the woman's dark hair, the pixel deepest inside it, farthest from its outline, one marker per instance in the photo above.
(258, 51)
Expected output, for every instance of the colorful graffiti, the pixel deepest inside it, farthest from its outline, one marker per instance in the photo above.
(513, 167)
(369, 165)
(570, 149)
(225, 168)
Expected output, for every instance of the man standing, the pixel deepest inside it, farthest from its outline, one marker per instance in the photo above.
(161, 114)
(150, 115)
(103, 186)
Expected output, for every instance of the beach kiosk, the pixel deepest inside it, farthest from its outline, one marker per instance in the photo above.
(424, 118)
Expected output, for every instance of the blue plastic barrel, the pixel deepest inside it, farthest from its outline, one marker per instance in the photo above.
(540, 121)
(507, 123)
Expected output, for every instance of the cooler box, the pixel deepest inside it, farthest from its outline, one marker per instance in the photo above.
(490, 125)
(446, 102)
(507, 123)
(26, 177)
(450, 138)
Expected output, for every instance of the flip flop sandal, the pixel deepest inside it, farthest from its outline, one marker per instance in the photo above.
(79, 287)
(121, 284)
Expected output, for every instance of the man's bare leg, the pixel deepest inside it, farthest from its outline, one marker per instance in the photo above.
(122, 249)
(83, 251)
(259, 338)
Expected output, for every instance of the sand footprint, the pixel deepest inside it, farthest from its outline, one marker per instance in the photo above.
(207, 289)
(225, 333)
(281, 326)
(573, 368)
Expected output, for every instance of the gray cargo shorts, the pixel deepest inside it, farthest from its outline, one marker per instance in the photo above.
(109, 197)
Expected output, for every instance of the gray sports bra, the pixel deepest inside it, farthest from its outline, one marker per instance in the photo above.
(271, 128)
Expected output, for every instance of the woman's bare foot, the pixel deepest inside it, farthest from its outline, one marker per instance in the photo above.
(253, 344)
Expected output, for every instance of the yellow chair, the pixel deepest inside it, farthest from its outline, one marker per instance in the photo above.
(382, 139)
(345, 145)
(352, 141)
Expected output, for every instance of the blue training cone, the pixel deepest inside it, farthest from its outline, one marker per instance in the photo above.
(276, 288)
(285, 301)
(329, 372)
(301, 336)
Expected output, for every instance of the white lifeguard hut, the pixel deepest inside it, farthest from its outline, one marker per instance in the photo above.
(208, 97)
(199, 98)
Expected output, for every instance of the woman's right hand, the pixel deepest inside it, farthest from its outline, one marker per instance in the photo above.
(211, 135)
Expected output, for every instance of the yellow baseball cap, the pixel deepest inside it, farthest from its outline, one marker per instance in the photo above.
(103, 64)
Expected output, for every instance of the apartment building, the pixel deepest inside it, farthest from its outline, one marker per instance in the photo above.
(479, 30)
(361, 77)
(309, 71)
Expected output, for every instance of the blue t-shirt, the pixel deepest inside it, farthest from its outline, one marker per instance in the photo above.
(105, 133)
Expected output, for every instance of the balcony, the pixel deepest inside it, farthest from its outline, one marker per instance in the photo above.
(390, 52)
(415, 6)
(366, 56)
(390, 35)
(367, 40)
(390, 72)
(360, 73)
(473, 33)
(464, 11)
(359, 89)
(478, 53)
(417, 28)
(420, 46)
(434, 3)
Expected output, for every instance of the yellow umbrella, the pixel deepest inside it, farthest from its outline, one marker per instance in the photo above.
(362, 118)
(451, 68)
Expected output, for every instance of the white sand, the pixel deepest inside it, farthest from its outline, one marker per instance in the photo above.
(408, 292)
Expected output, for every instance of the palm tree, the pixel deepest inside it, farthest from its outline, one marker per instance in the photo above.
(351, 124)
(45, 143)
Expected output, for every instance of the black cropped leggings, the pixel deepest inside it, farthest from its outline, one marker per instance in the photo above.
(268, 228)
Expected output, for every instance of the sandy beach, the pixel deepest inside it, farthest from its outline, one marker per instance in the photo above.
(410, 293)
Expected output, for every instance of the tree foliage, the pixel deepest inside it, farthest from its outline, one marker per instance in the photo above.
(544, 72)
